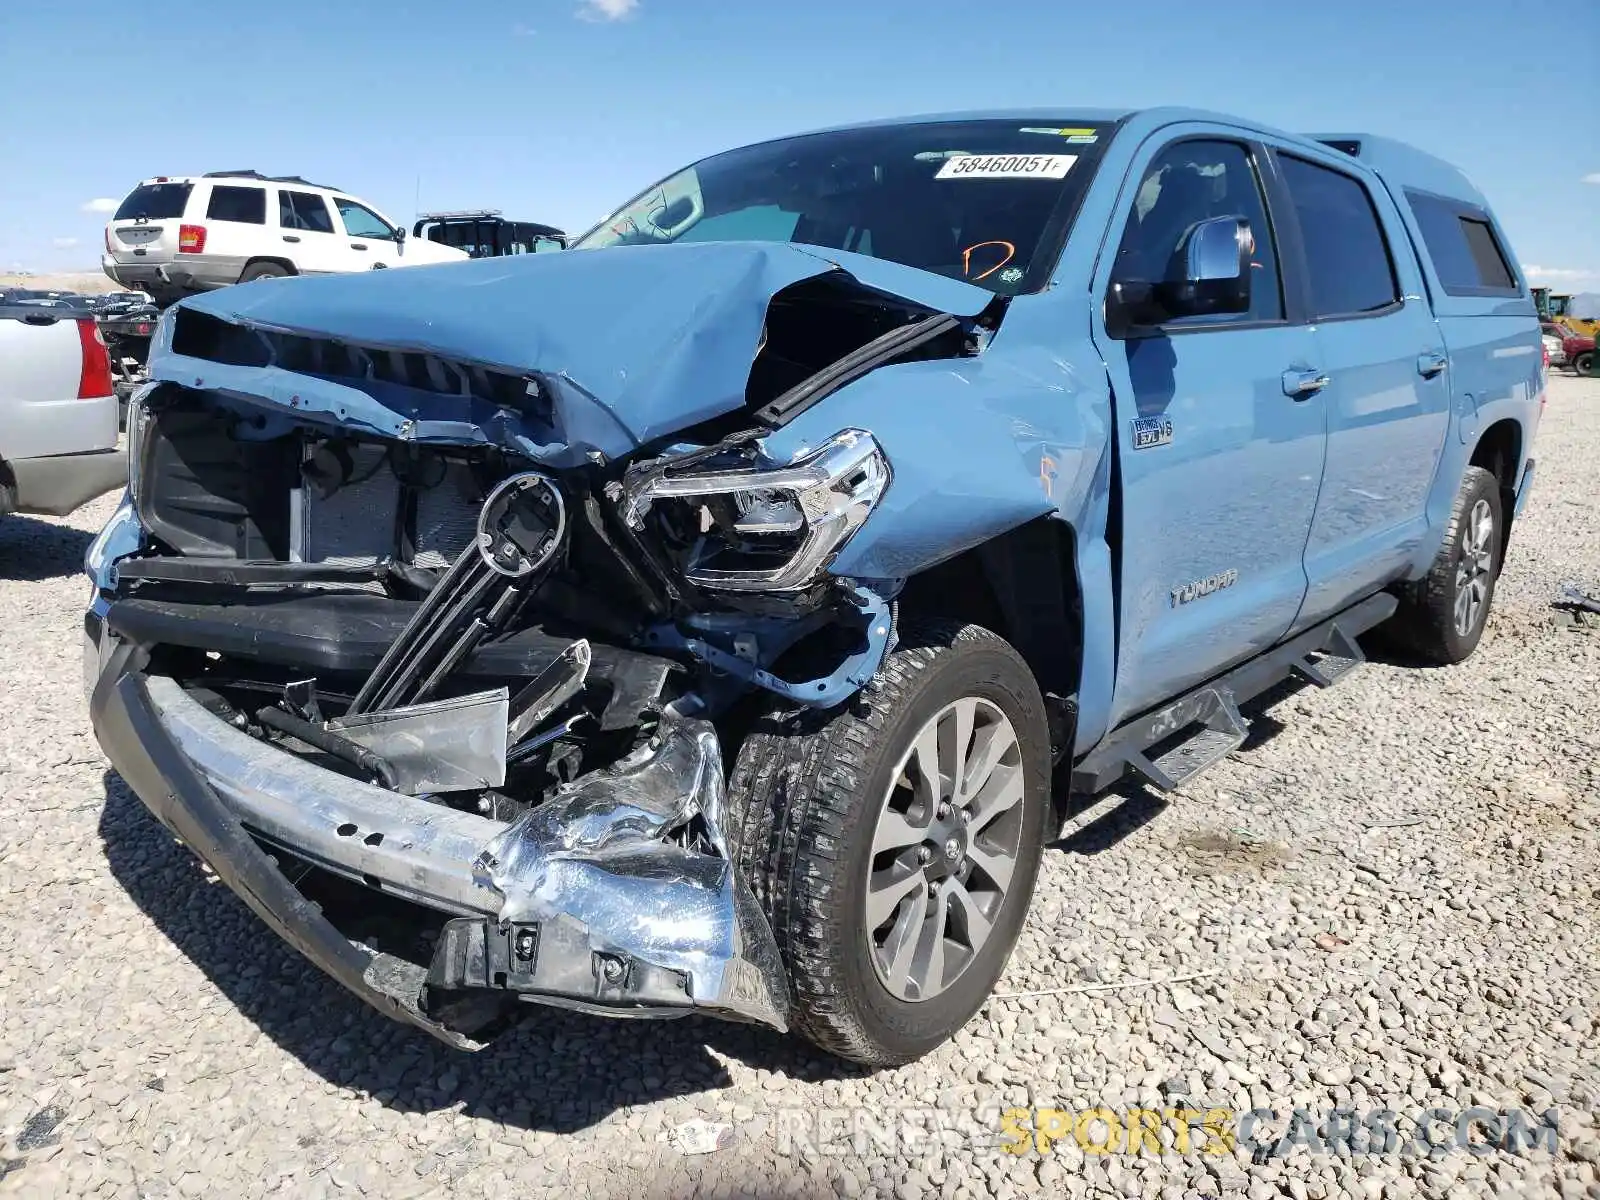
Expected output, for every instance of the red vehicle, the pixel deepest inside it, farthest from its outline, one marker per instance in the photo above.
(1579, 348)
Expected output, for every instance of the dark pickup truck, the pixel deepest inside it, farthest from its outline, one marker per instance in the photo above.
(484, 233)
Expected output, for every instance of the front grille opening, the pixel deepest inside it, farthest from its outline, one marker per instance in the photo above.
(201, 335)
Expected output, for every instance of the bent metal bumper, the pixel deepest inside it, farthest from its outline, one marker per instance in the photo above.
(586, 902)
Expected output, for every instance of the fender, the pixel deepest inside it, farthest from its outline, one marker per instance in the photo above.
(1032, 431)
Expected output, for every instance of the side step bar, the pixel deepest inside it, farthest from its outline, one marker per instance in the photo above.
(1209, 715)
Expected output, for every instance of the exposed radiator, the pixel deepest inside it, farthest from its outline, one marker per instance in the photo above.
(447, 517)
(362, 522)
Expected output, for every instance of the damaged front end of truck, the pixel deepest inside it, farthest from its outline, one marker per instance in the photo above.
(436, 602)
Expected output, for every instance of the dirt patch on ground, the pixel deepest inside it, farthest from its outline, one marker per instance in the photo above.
(1227, 851)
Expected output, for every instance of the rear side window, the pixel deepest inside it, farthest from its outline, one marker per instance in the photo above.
(246, 205)
(304, 210)
(154, 201)
(1347, 257)
(1466, 254)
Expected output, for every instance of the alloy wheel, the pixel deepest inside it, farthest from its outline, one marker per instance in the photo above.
(944, 849)
(1474, 568)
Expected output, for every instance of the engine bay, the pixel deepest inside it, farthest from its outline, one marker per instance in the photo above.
(450, 621)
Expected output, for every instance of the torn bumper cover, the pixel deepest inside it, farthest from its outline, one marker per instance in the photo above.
(586, 902)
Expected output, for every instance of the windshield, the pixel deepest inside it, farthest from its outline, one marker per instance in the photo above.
(984, 201)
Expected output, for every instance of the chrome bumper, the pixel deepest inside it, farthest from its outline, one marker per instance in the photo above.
(617, 895)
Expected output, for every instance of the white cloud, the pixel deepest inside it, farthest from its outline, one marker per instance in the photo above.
(102, 204)
(1558, 274)
(64, 243)
(607, 10)
(520, 30)
(1592, 177)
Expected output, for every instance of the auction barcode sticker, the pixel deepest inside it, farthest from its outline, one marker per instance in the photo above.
(1007, 166)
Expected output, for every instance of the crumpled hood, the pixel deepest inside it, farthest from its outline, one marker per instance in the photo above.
(657, 338)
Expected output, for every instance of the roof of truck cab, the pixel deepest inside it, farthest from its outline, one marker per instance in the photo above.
(1403, 166)
(1400, 165)
(1148, 120)
(1084, 116)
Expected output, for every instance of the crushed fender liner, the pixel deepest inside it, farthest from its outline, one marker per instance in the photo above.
(619, 917)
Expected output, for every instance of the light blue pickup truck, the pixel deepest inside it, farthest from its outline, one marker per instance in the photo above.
(920, 472)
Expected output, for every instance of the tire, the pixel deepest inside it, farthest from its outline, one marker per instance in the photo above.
(806, 796)
(1434, 620)
(264, 270)
(1584, 363)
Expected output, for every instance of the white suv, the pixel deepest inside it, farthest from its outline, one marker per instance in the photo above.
(179, 234)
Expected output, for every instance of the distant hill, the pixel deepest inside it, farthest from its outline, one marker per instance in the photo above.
(92, 283)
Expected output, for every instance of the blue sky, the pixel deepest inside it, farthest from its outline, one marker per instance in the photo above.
(558, 110)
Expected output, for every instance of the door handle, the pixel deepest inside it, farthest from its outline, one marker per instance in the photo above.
(290, 237)
(357, 246)
(1431, 363)
(1299, 385)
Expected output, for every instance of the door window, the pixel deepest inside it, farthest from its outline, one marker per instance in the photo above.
(1350, 269)
(1190, 182)
(361, 221)
(304, 210)
(244, 205)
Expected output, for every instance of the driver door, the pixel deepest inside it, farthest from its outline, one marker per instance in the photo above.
(372, 240)
(1220, 464)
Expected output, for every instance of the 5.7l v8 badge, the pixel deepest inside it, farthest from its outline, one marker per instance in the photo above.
(1151, 431)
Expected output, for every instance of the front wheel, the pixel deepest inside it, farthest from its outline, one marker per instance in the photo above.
(894, 841)
(1584, 363)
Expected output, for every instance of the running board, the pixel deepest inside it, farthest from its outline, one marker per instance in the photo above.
(1209, 715)
(1341, 656)
(1217, 734)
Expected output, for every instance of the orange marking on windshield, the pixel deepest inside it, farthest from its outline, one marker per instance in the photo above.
(966, 258)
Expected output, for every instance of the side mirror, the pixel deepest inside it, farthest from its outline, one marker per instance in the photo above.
(1209, 275)
(1210, 270)
(399, 236)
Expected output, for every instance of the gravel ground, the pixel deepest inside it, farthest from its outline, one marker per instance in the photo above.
(1389, 897)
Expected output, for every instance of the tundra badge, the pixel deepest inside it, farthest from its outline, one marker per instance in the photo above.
(1151, 431)
(1204, 587)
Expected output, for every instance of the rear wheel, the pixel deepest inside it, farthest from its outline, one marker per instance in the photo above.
(1584, 363)
(1443, 616)
(264, 270)
(894, 842)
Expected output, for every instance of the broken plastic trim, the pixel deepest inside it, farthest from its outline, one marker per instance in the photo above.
(452, 745)
(849, 677)
(636, 858)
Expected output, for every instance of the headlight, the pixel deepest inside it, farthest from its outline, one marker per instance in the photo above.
(761, 526)
(121, 536)
(138, 421)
